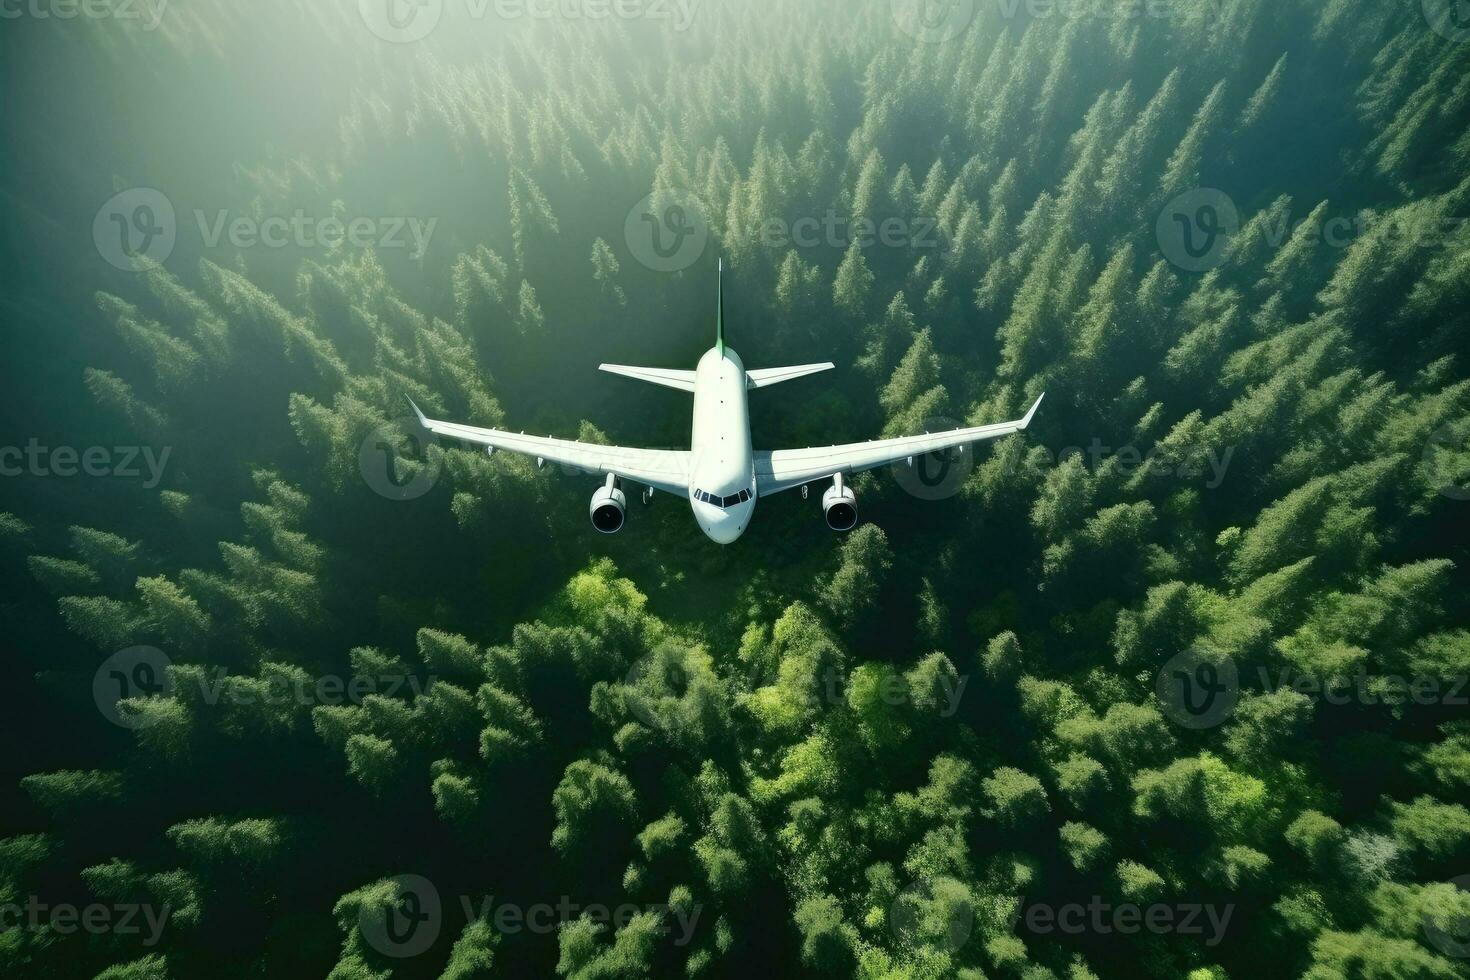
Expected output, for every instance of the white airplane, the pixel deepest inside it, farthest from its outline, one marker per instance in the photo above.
(720, 474)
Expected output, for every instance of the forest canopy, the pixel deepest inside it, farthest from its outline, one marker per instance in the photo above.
(1172, 684)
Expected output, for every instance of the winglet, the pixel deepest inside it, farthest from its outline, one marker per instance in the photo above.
(422, 421)
(1035, 405)
(720, 306)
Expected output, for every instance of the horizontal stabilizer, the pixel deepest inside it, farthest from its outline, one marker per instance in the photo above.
(765, 377)
(683, 380)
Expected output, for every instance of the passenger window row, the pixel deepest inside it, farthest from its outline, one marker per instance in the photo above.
(718, 501)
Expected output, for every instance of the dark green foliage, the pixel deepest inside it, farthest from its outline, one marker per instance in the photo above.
(865, 756)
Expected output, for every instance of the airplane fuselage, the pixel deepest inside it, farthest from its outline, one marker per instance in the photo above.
(722, 489)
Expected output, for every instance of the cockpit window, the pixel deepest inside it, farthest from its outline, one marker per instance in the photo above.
(718, 501)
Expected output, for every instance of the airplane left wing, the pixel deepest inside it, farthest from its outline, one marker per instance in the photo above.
(783, 469)
(663, 469)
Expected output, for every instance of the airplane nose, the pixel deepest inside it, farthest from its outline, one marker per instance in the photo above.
(725, 533)
(722, 526)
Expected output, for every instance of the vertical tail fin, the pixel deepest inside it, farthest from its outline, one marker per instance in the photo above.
(720, 307)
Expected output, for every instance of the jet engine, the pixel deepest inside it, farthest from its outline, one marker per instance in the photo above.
(609, 504)
(839, 504)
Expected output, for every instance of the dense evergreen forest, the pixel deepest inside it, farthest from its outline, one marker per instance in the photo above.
(1171, 684)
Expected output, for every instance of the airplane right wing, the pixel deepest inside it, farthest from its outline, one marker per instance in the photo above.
(663, 469)
(783, 469)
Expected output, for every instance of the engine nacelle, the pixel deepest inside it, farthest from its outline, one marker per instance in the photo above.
(608, 507)
(839, 505)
